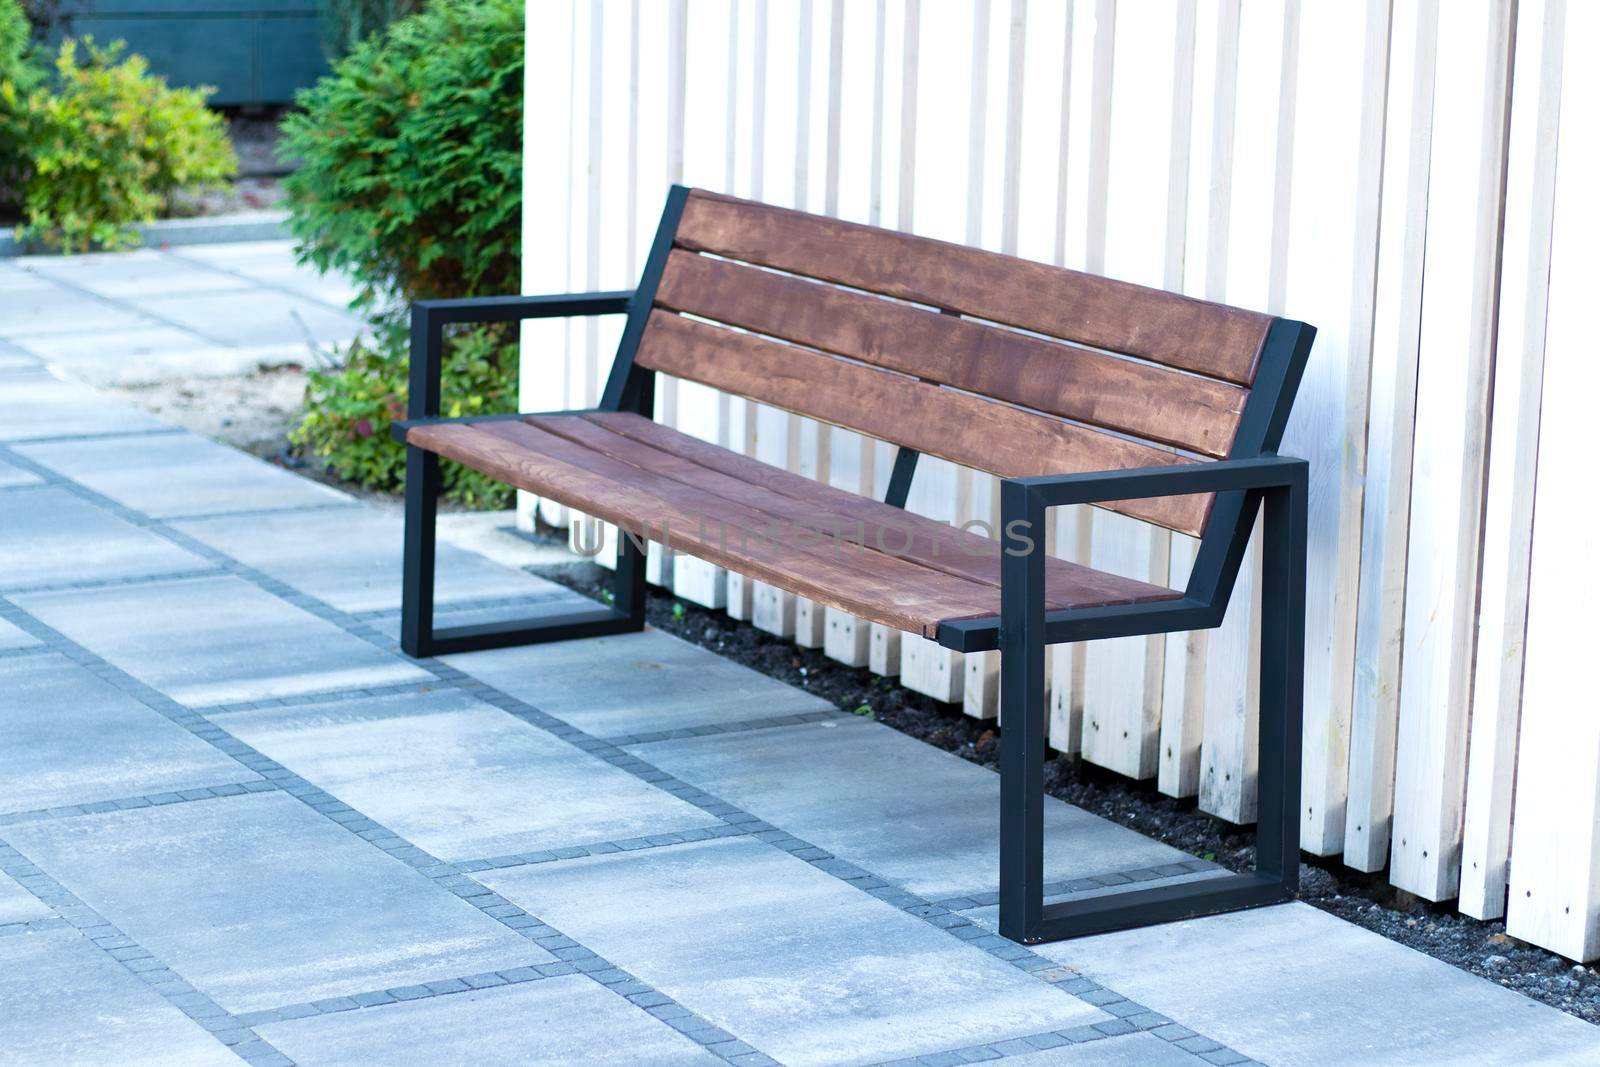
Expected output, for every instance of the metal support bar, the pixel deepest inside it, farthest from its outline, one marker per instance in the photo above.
(905, 468)
(1280, 484)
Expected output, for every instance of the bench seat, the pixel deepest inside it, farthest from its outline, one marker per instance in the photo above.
(847, 551)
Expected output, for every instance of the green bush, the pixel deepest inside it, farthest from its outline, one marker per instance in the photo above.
(106, 145)
(410, 158)
(18, 62)
(349, 409)
(21, 70)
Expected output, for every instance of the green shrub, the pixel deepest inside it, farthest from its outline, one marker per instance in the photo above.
(349, 410)
(18, 62)
(21, 70)
(107, 145)
(409, 180)
(410, 156)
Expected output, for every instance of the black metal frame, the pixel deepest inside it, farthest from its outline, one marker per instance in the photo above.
(1252, 476)
(629, 388)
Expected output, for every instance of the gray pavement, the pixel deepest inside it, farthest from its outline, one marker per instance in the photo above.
(152, 314)
(237, 823)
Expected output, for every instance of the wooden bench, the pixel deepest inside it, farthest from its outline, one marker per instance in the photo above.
(1074, 389)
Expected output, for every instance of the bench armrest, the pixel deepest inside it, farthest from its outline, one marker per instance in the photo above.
(1094, 487)
(429, 318)
(1278, 482)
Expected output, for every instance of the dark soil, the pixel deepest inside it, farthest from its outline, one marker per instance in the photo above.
(1366, 900)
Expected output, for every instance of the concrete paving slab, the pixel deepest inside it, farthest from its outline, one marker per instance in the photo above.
(13, 637)
(271, 263)
(217, 640)
(14, 359)
(1129, 1050)
(1293, 985)
(50, 537)
(140, 272)
(38, 307)
(632, 683)
(350, 558)
(791, 960)
(38, 405)
(559, 1021)
(259, 901)
(53, 707)
(68, 1003)
(157, 353)
(12, 476)
(17, 905)
(258, 317)
(460, 778)
(180, 474)
(904, 810)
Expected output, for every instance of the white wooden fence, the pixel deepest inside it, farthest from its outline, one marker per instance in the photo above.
(1417, 178)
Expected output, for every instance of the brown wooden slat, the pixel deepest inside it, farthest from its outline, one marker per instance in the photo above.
(776, 492)
(1156, 403)
(956, 426)
(870, 584)
(1211, 339)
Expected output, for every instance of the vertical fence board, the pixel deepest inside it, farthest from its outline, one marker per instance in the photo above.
(1241, 273)
(1333, 238)
(1132, 182)
(1448, 464)
(1514, 454)
(1397, 324)
(546, 220)
(1555, 854)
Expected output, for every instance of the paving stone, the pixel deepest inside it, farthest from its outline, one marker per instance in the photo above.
(259, 901)
(139, 272)
(350, 558)
(271, 263)
(1133, 1050)
(217, 640)
(902, 809)
(71, 738)
(50, 537)
(458, 777)
(17, 905)
(14, 359)
(11, 476)
(789, 959)
(632, 683)
(38, 405)
(171, 475)
(268, 316)
(1293, 985)
(38, 307)
(66, 1002)
(14, 637)
(558, 1022)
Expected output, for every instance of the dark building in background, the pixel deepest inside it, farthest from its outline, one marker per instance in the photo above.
(256, 52)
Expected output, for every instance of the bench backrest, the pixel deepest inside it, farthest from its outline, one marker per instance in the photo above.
(1002, 364)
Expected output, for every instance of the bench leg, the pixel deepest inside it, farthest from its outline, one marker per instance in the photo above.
(1024, 917)
(417, 634)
